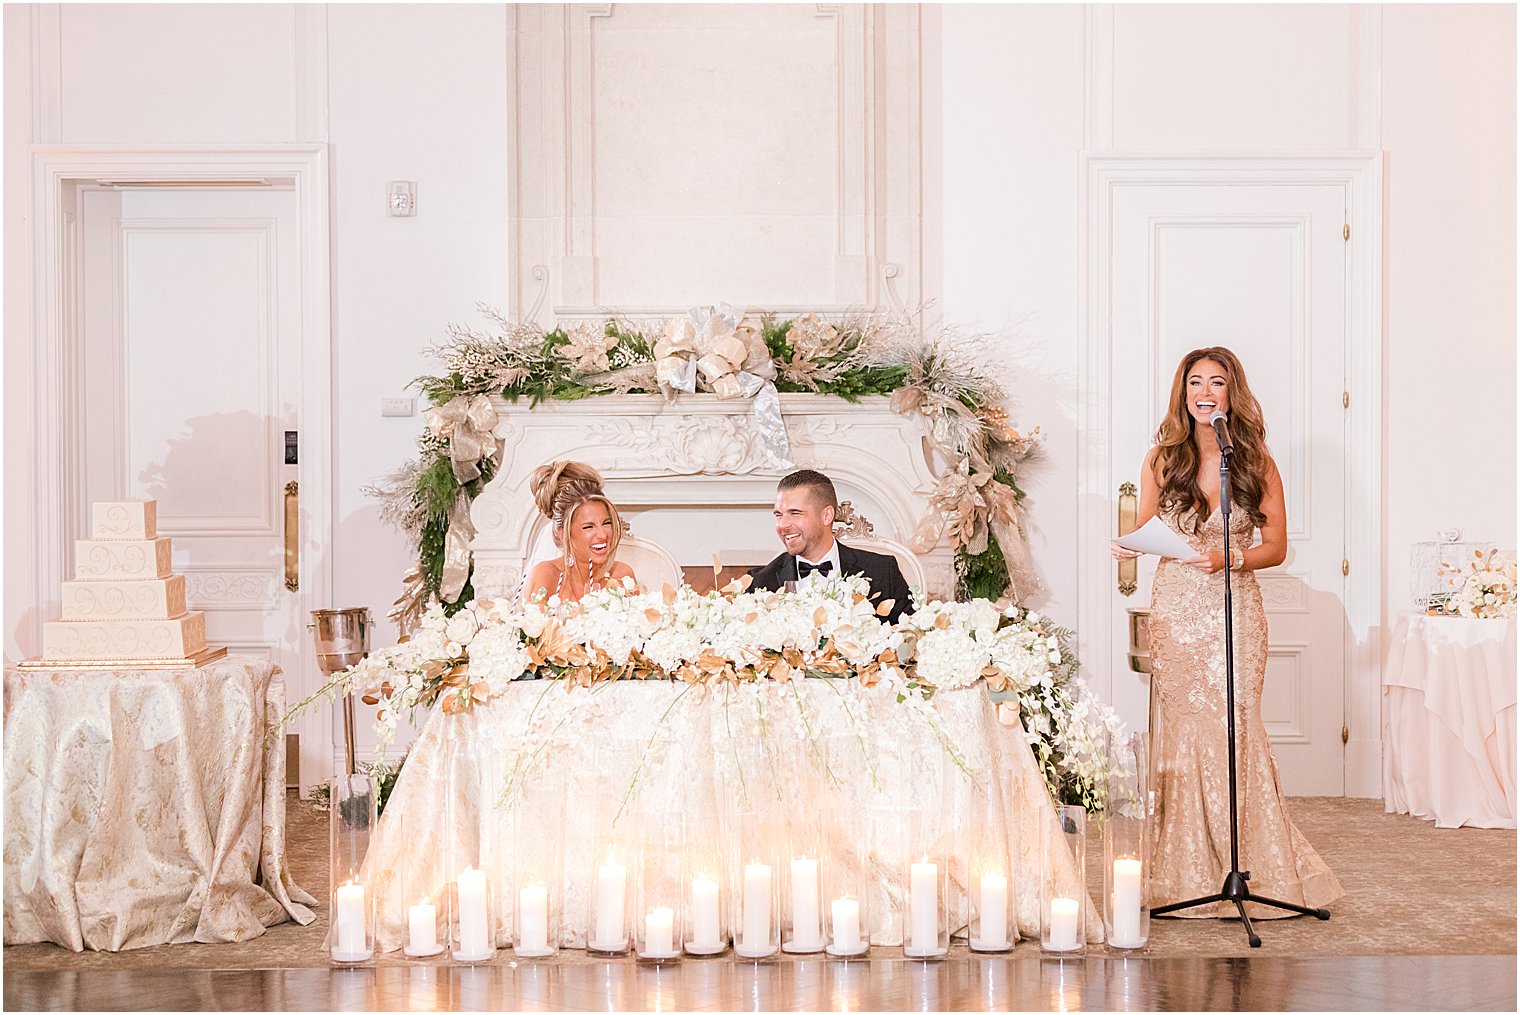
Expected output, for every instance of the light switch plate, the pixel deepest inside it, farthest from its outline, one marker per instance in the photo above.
(398, 406)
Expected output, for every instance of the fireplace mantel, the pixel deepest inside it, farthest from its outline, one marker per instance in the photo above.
(702, 457)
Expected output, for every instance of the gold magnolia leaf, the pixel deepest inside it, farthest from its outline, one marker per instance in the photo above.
(668, 593)
(885, 607)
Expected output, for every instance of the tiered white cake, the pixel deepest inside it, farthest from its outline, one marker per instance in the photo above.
(125, 603)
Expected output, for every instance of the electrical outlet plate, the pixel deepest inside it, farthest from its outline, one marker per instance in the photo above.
(401, 198)
(398, 406)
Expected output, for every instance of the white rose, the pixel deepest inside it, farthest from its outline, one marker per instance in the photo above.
(533, 621)
(461, 627)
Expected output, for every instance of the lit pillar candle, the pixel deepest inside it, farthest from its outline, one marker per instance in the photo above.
(846, 925)
(474, 928)
(704, 913)
(992, 912)
(1126, 931)
(659, 932)
(533, 919)
(755, 933)
(1063, 925)
(422, 928)
(806, 930)
(351, 938)
(611, 888)
(923, 908)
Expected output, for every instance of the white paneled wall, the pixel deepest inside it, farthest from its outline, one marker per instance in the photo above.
(820, 183)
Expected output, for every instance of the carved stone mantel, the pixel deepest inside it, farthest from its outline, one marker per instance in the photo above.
(703, 454)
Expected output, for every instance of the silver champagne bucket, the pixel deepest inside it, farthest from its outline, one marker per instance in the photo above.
(342, 639)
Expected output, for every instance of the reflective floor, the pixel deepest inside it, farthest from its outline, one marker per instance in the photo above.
(1447, 983)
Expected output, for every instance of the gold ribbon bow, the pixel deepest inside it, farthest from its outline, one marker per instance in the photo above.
(466, 423)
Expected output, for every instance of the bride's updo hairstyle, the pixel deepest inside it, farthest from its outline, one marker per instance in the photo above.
(560, 489)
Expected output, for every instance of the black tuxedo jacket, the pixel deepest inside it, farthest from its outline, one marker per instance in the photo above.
(880, 569)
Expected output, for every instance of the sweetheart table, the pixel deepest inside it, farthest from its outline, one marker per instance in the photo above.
(651, 753)
(145, 807)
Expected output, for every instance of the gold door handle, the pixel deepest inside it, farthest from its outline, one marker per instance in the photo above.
(1129, 570)
(292, 535)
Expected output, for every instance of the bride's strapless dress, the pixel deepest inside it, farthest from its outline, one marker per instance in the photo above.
(1190, 835)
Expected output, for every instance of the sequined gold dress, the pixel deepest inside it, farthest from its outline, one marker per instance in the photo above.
(1190, 836)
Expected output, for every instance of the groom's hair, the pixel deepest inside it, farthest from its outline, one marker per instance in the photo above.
(819, 487)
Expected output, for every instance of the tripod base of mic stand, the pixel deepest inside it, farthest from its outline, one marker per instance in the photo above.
(1235, 891)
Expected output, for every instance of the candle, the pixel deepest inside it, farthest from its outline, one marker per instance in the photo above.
(659, 933)
(923, 909)
(351, 920)
(474, 929)
(846, 925)
(611, 886)
(422, 928)
(1126, 903)
(1063, 925)
(807, 934)
(992, 912)
(533, 920)
(704, 914)
(755, 935)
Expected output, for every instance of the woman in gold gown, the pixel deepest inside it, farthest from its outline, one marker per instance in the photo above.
(1190, 833)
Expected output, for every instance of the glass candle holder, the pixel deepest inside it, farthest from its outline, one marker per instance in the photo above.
(351, 819)
(926, 878)
(659, 927)
(991, 876)
(610, 898)
(1126, 861)
(757, 887)
(1063, 864)
(802, 887)
(473, 888)
(846, 883)
(422, 893)
(707, 904)
(537, 903)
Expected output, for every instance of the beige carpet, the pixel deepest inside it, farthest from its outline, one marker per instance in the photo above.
(1411, 889)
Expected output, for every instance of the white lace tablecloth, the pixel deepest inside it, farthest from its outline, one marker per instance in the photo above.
(660, 752)
(1449, 721)
(144, 807)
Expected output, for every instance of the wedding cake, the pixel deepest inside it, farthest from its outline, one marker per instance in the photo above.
(125, 604)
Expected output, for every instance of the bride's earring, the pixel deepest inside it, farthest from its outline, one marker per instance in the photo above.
(570, 558)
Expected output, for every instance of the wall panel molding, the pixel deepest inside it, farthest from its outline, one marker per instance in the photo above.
(571, 249)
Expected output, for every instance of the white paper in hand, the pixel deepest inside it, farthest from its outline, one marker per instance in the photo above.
(1157, 537)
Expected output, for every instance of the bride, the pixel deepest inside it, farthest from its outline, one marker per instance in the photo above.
(586, 528)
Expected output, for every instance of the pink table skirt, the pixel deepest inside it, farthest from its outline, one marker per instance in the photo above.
(1449, 721)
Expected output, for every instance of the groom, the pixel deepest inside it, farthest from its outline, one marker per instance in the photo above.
(805, 509)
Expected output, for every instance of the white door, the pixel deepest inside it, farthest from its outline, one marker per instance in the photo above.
(1260, 269)
(191, 380)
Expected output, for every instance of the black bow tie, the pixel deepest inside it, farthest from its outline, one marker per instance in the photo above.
(804, 568)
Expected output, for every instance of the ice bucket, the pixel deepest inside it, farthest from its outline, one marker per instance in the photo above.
(342, 639)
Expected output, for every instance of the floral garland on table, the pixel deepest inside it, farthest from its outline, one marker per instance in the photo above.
(977, 504)
(825, 629)
(1484, 589)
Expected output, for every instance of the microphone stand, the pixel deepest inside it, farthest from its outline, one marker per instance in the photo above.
(1235, 888)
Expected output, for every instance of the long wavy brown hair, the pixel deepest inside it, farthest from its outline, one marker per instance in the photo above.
(1177, 457)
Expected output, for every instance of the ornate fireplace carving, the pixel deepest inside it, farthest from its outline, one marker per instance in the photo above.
(696, 471)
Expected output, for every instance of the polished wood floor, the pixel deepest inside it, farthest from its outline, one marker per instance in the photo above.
(1265, 983)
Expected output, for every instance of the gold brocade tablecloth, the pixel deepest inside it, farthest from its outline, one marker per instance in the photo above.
(144, 807)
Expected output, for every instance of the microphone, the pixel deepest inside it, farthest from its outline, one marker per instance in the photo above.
(1220, 422)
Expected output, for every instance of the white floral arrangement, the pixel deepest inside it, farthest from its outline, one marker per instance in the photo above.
(826, 628)
(1485, 588)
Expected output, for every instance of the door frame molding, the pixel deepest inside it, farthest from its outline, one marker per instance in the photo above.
(57, 349)
(1360, 173)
